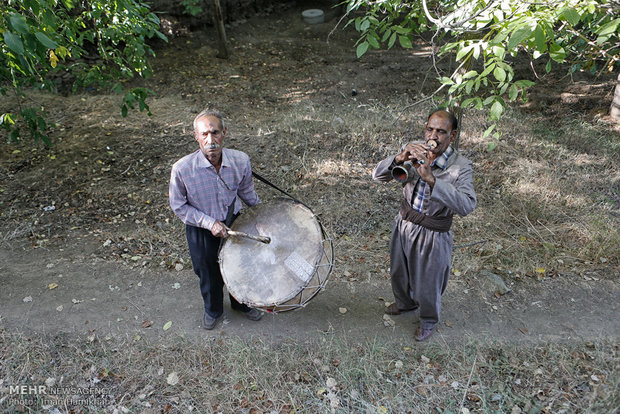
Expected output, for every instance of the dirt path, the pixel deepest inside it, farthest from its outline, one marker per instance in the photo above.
(299, 102)
(108, 299)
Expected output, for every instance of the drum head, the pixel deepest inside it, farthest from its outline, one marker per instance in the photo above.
(266, 275)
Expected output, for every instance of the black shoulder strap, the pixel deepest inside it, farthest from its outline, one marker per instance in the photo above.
(258, 177)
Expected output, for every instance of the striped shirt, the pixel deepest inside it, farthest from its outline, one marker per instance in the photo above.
(422, 191)
(199, 195)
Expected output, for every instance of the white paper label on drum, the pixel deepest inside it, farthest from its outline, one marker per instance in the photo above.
(298, 265)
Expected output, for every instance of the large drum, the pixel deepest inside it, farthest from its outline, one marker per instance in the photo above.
(286, 273)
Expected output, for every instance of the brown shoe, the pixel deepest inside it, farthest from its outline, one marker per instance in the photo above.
(422, 334)
(393, 309)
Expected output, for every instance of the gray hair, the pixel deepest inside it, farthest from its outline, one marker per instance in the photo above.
(210, 112)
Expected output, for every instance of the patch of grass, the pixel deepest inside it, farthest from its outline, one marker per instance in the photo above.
(332, 375)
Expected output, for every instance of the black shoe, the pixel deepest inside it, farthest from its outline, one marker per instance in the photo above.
(254, 314)
(208, 322)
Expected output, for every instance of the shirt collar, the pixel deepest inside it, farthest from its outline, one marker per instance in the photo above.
(205, 163)
(442, 160)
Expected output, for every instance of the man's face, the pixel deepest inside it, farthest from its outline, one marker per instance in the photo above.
(210, 136)
(440, 129)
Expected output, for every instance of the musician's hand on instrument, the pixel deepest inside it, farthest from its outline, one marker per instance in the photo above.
(413, 151)
(219, 229)
(425, 171)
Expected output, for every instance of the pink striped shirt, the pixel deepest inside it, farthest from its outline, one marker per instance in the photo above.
(199, 195)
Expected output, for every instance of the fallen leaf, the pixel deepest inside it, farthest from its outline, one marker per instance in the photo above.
(331, 383)
(59, 308)
(448, 324)
(52, 286)
(75, 301)
(523, 331)
(167, 325)
(541, 270)
(27, 299)
(173, 378)
(425, 359)
(147, 324)
(137, 337)
(342, 310)
(387, 321)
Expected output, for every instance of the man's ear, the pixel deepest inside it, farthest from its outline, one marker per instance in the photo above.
(453, 135)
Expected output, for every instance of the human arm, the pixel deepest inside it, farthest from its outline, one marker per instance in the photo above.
(177, 194)
(246, 191)
(458, 195)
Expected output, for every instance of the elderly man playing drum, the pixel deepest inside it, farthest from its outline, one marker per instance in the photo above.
(437, 183)
(205, 189)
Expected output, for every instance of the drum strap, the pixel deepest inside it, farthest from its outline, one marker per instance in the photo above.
(258, 177)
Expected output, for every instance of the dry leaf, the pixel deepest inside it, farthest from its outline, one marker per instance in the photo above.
(342, 310)
(147, 324)
(541, 270)
(523, 331)
(448, 324)
(173, 378)
(27, 299)
(52, 286)
(167, 325)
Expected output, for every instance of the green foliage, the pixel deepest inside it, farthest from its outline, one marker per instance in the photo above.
(95, 43)
(485, 36)
(192, 7)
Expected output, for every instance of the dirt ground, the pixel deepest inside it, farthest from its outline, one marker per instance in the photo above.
(90, 247)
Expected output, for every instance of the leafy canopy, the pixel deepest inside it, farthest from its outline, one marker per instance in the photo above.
(485, 36)
(90, 44)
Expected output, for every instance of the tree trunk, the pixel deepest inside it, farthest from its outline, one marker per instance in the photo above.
(614, 111)
(219, 23)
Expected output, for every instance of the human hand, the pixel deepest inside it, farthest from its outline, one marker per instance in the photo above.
(413, 152)
(219, 229)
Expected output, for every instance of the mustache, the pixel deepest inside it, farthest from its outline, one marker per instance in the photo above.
(212, 146)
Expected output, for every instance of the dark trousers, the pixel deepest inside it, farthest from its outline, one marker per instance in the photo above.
(204, 248)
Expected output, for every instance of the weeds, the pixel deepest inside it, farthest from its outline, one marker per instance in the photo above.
(333, 375)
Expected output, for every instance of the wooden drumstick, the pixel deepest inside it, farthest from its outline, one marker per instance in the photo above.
(262, 239)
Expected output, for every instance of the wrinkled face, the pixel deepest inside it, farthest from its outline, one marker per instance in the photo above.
(440, 129)
(210, 136)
